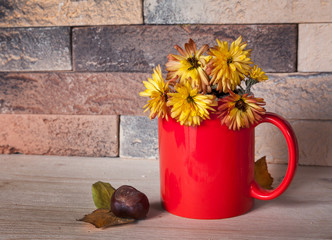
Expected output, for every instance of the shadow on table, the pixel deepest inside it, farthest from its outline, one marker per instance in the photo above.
(156, 210)
(305, 189)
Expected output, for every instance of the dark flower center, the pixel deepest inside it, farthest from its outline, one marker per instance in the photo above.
(190, 99)
(193, 62)
(229, 61)
(241, 105)
(164, 96)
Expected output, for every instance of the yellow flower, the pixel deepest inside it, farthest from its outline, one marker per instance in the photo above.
(228, 66)
(238, 111)
(188, 106)
(190, 64)
(257, 74)
(157, 90)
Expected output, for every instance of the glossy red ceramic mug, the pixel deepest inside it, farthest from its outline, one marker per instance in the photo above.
(207, 172)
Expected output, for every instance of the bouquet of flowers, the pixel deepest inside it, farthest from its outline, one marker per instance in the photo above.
(198, 85)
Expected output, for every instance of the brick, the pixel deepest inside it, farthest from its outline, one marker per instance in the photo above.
(72, 93)
(298, 95)
(25, 13)
(138, 137)
(315, 41)
(35, 49)
(294, 96)
(95, 136)
(140, 48)
(230, 12)
(314, 140)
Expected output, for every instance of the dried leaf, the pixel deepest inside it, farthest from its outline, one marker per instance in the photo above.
(104, 218)
(101, 194)
(262, 175)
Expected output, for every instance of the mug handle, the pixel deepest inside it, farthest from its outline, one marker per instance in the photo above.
(263, 194)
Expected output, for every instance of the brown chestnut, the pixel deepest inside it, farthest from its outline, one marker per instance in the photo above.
(128, 202)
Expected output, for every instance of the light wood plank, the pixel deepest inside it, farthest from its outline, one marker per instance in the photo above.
(42, 196)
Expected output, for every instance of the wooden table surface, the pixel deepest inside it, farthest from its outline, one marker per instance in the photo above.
(42, 196)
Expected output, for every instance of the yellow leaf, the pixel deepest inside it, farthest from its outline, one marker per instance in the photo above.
(104, 218)
(262, 175)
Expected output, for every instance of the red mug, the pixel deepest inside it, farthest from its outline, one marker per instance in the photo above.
(207, 171)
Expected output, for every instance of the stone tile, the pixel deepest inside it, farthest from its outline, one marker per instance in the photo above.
(227, 12)
(140, 48)
(72, 93)
(26, 13)
(35, 49)
(314, 140)
(297, 96)
(315, 41)
(95, 136)
(138, 137)
(294, 96)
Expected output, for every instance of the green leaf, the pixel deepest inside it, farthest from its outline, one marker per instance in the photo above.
(101, 194)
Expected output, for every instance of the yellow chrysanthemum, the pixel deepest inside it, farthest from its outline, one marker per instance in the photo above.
(189, 65)
(228, 66)
(188, 106)
(238, 111)
(257, 74)
(157, 90)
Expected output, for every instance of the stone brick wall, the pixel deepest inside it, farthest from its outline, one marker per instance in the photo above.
(71, 70)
